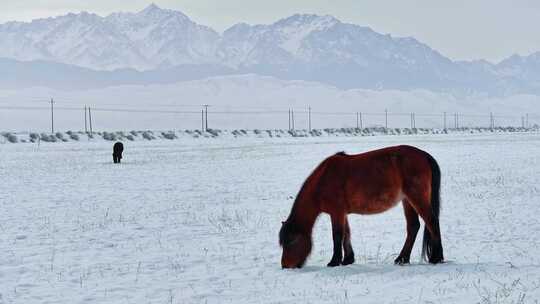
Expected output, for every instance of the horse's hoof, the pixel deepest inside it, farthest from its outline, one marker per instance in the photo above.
(401, 260)
(436, 260)
(348, 260)
(333, 263)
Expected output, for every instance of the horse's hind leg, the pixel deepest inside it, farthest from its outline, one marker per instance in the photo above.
(337, 235)
(432, 239)
(432, 248)
(347, 246)
(413, 224)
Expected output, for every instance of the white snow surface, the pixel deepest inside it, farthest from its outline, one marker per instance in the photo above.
(197, 221)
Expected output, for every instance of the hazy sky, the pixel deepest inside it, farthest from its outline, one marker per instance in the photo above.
(459, 29)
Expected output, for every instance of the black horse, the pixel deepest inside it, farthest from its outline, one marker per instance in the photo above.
(117, 152)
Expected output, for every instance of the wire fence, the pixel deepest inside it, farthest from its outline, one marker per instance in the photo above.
(62, 115)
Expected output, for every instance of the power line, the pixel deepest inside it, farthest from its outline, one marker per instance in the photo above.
(307, 112)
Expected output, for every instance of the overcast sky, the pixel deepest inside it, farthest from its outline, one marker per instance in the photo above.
(459, 29)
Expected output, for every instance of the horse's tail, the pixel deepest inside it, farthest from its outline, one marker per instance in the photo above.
(432, 250)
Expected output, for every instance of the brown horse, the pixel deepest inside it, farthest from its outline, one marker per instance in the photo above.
(367, 183)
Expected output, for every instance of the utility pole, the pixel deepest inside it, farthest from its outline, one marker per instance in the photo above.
(90, 118)
(52, 116)
(289, 113)
(491, 121)
(361, 121)
(292, 118)
(202, 120)
(386, 118)
(205, 117)
(527, 120)
(85, 121)
(444, 114)
(357, 121)
(309, 118)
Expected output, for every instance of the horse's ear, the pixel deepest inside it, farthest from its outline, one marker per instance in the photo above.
(282, 223)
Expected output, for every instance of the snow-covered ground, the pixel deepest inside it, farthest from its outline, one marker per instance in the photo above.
(196, 221)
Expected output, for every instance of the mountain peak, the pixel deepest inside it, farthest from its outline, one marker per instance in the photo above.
(312, 19)
(151, 8)
(153, 11)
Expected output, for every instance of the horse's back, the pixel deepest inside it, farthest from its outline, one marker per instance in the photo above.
(377, 180)
(402, 158)
(118, 147)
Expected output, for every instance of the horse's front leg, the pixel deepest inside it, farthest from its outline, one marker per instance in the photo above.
(337, 235)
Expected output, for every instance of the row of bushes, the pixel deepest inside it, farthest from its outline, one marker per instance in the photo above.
(76, 136)
(171, 135)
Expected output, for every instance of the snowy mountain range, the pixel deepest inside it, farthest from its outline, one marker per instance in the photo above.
(159, 45)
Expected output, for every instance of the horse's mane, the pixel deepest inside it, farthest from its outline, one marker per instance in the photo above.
(310, 183)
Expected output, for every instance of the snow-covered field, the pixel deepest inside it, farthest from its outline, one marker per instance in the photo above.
(196, 221)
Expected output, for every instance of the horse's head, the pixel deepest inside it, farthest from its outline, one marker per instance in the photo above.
(296, 246)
